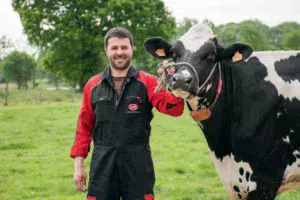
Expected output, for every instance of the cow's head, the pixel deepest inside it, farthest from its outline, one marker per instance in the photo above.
(198, 50)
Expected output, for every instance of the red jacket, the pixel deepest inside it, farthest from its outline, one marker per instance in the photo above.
(163, 101)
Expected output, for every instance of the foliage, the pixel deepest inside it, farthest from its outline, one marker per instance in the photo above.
(291, 40)
(19, 67)
(279, 33)
(71, 32)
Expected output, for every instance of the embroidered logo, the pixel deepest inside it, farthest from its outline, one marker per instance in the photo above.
(148, 197)
(133, 107)
(91, 198)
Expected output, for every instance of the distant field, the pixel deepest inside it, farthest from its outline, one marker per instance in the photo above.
(35, 164)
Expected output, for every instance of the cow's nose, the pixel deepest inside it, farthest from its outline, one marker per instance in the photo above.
(177, 81)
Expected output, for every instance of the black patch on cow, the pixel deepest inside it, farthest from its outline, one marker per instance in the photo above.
(236, 188)
(177, 51)
(240, 196)
(206, 49)
(289, 69)
(241, 171)
(240, 180)
(247, 176)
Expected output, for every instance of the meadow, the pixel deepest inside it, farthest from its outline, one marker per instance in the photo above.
(36, 136)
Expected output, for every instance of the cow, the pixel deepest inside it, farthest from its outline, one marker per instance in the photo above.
(247, 105)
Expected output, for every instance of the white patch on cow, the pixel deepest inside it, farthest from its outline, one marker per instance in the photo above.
(228, 170)
(292, 131)
(291, 177)
(208, 87)
(186, 74)
(180, 93)
(196, 37)
(204, 100)
(288, 90)
(279, 114)
(194, 102)
(287, 139)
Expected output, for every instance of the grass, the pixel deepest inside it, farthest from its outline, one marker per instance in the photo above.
(34, 152)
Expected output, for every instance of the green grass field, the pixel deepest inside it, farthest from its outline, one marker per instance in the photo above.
(34, 152)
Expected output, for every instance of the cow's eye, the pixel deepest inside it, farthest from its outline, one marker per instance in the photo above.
(174, 55)
(211, 56)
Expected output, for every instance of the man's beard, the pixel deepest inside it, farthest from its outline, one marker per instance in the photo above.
(125, 66)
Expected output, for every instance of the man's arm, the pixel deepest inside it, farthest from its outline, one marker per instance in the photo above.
(79, 174)
(163, 101)
(83, 136)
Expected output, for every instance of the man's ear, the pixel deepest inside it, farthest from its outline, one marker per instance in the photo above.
(158, 47)
(237, 52)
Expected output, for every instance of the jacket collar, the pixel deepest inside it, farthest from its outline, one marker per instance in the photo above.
(132, 72)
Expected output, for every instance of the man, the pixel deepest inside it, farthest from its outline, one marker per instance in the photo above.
(116, 113)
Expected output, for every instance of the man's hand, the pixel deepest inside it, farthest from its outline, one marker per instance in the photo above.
(170, 70)
(80, 175)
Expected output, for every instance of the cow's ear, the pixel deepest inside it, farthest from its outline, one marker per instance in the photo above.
(158, 47)
(237, 52)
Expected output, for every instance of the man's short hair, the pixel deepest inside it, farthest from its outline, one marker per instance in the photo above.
(118, 32)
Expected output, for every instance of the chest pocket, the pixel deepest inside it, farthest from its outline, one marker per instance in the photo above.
(102, 109)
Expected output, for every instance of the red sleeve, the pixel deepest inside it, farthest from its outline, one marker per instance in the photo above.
(85, 123)
(163, 101)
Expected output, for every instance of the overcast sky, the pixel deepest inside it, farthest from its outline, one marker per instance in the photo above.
(270, 12)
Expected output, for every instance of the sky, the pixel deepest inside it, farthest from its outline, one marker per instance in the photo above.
(270, 12)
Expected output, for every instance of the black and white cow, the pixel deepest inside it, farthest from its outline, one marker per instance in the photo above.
(253, 105)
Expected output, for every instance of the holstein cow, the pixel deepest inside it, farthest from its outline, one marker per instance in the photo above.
(248, 107)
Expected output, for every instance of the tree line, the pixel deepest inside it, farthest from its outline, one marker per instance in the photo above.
(70, 36)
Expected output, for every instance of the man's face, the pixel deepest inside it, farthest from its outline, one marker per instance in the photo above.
(119, 51)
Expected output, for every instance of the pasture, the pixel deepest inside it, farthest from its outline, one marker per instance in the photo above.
(35, 139)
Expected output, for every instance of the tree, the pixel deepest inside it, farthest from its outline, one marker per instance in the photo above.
(254, 33)
(291, 40)
(19, 67)
(72, 32)
(279, 33)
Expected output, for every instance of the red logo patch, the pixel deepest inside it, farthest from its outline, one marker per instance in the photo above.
(148, 197)
(91, 198)
(133, 107)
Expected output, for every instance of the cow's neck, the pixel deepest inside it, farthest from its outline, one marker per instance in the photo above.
(216, 127)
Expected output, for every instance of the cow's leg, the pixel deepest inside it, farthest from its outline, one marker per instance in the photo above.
(268, 174)
(267, 191)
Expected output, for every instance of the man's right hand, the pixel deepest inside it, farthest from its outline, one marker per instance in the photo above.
(80, 175)
(170, 70)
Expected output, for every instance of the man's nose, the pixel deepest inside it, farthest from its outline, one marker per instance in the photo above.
(119, 51)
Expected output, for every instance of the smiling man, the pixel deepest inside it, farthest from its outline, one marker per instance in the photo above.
(116, 113)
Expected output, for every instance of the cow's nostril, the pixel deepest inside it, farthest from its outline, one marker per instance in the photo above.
(174, 79)
(189, 80)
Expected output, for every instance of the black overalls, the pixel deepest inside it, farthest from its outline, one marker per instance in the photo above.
(121, 161)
